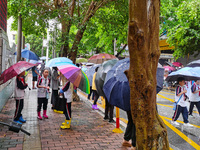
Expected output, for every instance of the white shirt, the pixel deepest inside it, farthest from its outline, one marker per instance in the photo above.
(194, 97)
(182, 101)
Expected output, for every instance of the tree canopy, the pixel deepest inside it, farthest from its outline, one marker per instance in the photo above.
(181, 20)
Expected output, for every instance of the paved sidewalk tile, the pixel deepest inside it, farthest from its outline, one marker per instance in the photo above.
(88, 130)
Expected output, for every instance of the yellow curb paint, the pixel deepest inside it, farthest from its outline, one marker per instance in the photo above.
(166, 93)
(188, 140)
(124, 120)
(166, 98)
(165, 105)
(179, 121)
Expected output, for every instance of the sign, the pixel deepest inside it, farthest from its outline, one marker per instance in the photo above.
(3, 14)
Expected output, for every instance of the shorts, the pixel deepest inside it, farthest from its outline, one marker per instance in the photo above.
(35, 78)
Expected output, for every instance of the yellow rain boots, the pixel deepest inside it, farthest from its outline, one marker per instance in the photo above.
(66, 124)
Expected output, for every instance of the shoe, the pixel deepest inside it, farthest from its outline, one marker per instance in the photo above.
(95, 107)
(22, 120)
(105, 118)
(39, 116)
(66, 125)
(112, 121)
(188, 125)
(44, 114)
(126, 143)
(190, 115)
(175, 123)
(17, 121)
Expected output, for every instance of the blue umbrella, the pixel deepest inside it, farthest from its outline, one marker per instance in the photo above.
(55, 61)
(43, 58)
(90, 72)
(188, 73)
(116, 86)
(28, 54)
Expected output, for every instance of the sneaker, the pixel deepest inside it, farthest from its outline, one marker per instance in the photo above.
(105, 118)
(191, 116)
(112, 121)
(175, 123)
(22, 120)
(17, 121)
(188, 125)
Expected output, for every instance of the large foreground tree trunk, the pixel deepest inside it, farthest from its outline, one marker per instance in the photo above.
(143, 42)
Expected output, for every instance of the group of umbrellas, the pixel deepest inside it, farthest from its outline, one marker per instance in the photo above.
(112, 83)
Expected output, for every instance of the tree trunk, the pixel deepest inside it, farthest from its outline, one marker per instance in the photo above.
(77, 40)
(19, 38)
(143, 42)
(65, 37)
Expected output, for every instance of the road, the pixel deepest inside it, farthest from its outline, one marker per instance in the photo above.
(180, 138)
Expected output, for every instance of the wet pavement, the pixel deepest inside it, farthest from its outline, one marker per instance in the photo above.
(88, 130)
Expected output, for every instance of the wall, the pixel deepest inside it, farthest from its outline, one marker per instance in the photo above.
(7, 58)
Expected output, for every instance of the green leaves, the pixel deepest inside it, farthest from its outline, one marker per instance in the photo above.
(183, 25)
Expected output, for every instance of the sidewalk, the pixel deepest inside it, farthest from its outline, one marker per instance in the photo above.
(88, 130)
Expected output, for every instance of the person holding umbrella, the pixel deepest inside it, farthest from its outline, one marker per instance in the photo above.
(96, 95)
(54, 85)
(34, 74)
(181, 106)
(195, 97)
(19, 97)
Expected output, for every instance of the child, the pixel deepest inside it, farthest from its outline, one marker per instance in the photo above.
(43, 93)
(19, 97)
(96, 95)
(195, 97)
(181, 106)
(68, 96)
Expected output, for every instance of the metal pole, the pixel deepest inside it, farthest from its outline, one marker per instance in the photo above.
(47, 51)
(117, 129)
(19, 38)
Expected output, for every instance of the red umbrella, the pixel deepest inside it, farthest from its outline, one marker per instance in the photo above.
(177, 64)
(14, 70)
(169, 68)
(100, 58)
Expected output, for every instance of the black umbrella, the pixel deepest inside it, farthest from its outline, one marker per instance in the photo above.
(195, 63)
(101, 75)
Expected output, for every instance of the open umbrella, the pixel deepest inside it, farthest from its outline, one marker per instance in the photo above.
(169, 68)
(55, 61)
(188, 73)
(101, 75)
(76, 76)
(116, 86)
(100, 58)
(195, 63)
(43, 58)
(81, 60)
(14, 70)
(177, 64)
(90, 72)
(169, 63)
(28, 54)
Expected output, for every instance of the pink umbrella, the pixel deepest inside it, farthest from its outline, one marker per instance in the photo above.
(169, 68)
(177, 64)
(14, 70)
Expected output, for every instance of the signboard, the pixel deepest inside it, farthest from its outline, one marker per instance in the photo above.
(3, 14)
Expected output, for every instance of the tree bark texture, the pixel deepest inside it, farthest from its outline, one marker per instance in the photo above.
(143, 42)
(19, 38)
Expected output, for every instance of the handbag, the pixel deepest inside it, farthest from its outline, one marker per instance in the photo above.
(175, 103)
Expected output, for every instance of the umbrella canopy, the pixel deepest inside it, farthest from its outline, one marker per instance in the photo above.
(43, 58)
(169, 68)
(90, 72)
(101, 75)
(14, 70)
(76, 76)
(81, 60)
(177, 64)
(188, 73)
(169, 63)
(195, 63)
(116, 86)
(55, 61)
(100, 58)
(28, 54)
